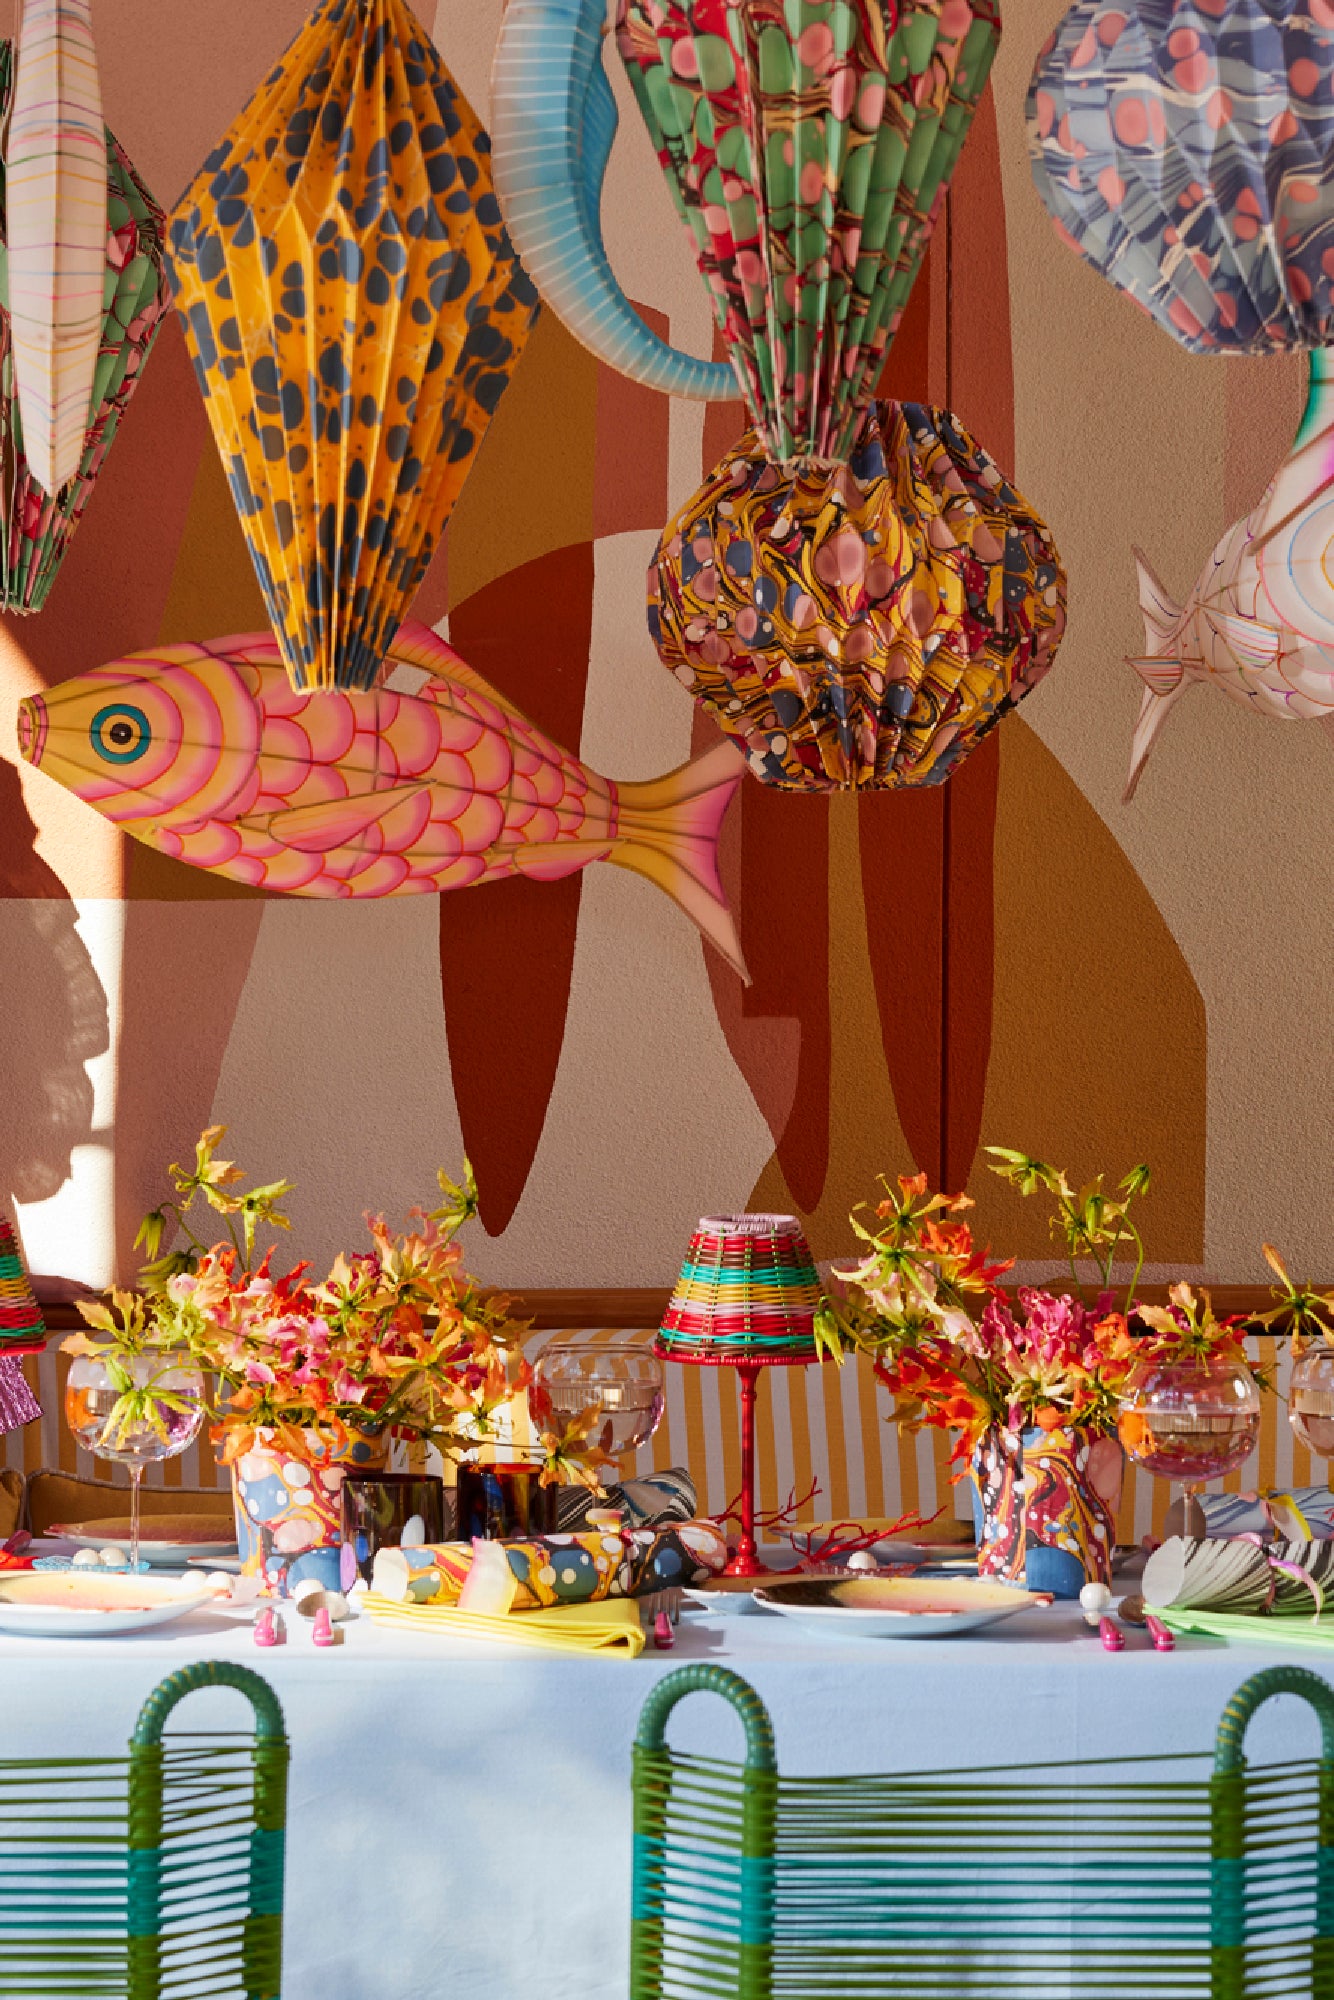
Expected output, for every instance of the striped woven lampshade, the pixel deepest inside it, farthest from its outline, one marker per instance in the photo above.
(22, 1331)
(746, 1299)
(747, 1292)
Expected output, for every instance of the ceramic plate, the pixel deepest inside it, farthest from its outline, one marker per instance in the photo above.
(152, 1551)
(907, 1607)
(63, 1604)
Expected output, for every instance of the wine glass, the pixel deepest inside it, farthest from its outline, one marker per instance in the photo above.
(1311, 1400)
(1193, 1420)
(167, 1424)
(626, 1385)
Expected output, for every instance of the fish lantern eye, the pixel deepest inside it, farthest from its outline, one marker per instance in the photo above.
(120, 733)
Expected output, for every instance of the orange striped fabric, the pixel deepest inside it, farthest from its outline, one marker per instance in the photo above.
(823, 1424)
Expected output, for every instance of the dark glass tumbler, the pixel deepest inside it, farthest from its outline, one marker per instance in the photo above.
(495, 1502)
(377, 1507)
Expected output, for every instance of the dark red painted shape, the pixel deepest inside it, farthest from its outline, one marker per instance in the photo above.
(927, 857)
(507, 950)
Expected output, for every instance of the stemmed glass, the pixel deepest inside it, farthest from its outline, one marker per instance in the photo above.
(135, 1409)
(625, 1385)
(1191, 1419)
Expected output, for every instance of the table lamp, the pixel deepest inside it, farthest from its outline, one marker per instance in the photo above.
(22, 1331)
(746, 1299)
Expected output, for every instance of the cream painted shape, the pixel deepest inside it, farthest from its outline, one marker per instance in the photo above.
(71, 1234)
(336, 1073)
(1121, 440)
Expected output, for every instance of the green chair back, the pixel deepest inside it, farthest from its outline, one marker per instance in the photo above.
(151, 1876)
(1160, 1877)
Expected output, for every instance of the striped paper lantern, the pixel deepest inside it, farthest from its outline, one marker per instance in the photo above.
(748, 1291)
(56, 231)
(22, 1331)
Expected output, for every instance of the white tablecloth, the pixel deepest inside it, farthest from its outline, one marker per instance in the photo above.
(459, 1817)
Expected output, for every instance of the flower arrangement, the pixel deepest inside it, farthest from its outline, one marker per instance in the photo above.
(926, 1305)
(397, 1340)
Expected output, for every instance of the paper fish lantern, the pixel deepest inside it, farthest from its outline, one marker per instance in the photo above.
(865, 626)
(55, 232)
(1259, 623)
(354, 310)
(206, 753)
(22, 1331)
(808, 149)
(1186, 149)
(553, 119)
(35, 526)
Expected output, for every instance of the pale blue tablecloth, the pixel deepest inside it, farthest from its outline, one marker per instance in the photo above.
(460, 1817)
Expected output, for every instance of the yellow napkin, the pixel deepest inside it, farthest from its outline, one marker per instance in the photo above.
(612, 1626)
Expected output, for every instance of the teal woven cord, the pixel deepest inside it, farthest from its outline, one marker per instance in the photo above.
(742, 1841)
(1128, 1879)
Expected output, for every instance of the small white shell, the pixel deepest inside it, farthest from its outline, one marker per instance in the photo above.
(86, 1559)
(310, 1597)
(862, 1559)
(1094, 1601)
(113, 1558)
(414, 1533)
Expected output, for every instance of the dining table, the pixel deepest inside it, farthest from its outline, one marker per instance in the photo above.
(459, 1817)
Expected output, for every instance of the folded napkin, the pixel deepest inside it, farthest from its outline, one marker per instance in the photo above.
(1293, 1633)
(612, 1626)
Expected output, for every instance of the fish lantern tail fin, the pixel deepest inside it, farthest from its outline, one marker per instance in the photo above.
(1153, 713)
(1158, 666)
(1162, 613)
(667, 831)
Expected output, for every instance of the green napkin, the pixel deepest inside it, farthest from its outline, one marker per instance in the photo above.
(1293, 1632)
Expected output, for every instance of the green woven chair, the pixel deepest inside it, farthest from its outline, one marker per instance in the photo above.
(1136, 1877)
(150, 1876)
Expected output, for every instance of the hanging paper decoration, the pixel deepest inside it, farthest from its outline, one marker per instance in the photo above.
(808, 149)
(553, 119)
(55, 232)
(863, 626)
(1186, 149)
(1259, 623)
(22, 1331)
(36, 528)
(205, 752)
(354, 310)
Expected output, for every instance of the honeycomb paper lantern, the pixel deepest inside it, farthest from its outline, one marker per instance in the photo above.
(862, 627)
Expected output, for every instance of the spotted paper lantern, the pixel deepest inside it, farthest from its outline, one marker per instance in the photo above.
(354, 309)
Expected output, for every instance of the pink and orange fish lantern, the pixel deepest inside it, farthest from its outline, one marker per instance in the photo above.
(207, 753)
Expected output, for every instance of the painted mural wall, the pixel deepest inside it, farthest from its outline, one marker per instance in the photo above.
(1016, 958)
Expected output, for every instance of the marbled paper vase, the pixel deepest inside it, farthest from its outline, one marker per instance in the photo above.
(1072, 1489)
(287, 1490)
(998, 1507)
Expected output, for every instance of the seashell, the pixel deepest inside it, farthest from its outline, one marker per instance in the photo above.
(113, 1558)
(310, 1598)
(86, 1559)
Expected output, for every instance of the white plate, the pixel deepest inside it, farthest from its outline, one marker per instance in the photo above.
(227, 1560)
(896, 1607)
(168, 1554)
(78, 1605)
